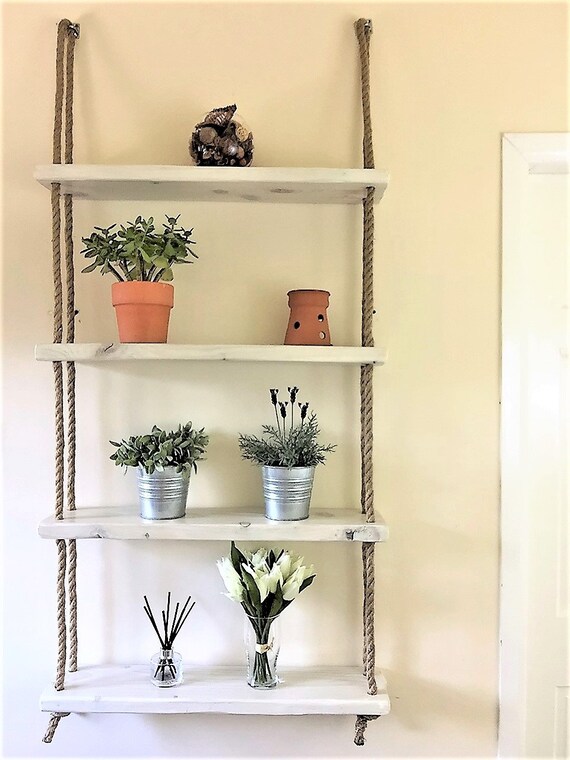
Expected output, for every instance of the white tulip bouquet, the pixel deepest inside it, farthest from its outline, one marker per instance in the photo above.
(265, 584)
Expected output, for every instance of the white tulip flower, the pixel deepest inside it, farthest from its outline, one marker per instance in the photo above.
(260, 580)
(231, 579)
(292, 586)
(285, 563)
(278, 579)
(308, 571)
(259, 558)
(297, 562)
(262, 584)
(274, 578)
(258, 572)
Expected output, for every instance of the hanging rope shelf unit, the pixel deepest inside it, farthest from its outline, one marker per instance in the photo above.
(64, 327)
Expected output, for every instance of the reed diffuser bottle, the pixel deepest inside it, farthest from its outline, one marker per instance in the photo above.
(166, 667)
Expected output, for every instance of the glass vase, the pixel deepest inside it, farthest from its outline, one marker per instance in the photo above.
(166, 668)
(262, 643)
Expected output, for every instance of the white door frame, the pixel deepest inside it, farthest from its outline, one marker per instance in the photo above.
(523, 155)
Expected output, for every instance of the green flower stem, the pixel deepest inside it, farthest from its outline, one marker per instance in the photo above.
(277, 418)
(262, 673)
(261, 669)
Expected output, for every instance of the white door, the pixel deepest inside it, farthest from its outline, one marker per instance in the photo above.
(535, 438)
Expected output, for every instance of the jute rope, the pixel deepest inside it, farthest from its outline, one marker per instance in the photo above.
(61, 638)
(363, 29)
(72, 587)
(66, 35)
(57, 281)
(73, 33)
(52, 725)
(361, 723)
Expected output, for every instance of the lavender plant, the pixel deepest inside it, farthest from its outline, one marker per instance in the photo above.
(288, 443)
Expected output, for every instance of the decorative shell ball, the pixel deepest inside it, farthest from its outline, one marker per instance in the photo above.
(222, 139)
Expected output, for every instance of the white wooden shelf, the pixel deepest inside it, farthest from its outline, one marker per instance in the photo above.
(213, 524)
(200, 183)
(304, 691)
(105, 352)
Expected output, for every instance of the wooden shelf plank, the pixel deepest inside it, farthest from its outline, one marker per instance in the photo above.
(105, 352)
(213, 524)
(304, 691)
(261, 184)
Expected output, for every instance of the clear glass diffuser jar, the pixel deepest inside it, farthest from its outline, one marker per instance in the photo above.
(166, 668)
(262, 644)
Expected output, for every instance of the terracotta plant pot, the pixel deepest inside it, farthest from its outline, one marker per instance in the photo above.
(143, 310)
(308, 322)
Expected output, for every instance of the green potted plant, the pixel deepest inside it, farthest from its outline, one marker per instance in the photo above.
(288, 453)
(164, 462)
(141, 258)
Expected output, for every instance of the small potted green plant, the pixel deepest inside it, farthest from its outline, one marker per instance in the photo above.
(288, 453)
(141, 258)
(164, 462)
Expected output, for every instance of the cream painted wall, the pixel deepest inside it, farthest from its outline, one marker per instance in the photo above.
(447, 80)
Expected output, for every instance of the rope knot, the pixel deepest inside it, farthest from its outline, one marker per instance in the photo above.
(52, 725)
(65, 25)
(360, 728)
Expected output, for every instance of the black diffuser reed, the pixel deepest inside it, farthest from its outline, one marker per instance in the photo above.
(167, 633)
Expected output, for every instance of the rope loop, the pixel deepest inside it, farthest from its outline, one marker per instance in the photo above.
(363, 28)
(360, 728)
(52, 725)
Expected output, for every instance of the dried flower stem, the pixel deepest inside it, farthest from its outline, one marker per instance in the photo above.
(274, 393)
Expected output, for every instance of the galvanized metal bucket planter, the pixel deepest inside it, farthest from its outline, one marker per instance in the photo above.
(162, 495)
(287, 492)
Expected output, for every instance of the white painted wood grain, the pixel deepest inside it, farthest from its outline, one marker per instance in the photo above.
(201, 183)
(304, 691)
(103, 352)
(212, 524)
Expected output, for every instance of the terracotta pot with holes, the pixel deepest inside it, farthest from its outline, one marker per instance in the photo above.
(143, 310)
(308, 322)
